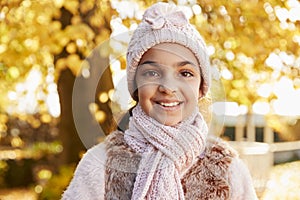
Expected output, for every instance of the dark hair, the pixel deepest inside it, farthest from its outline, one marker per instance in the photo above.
(124, 122)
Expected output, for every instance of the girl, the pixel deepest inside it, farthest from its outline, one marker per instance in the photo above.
(164, 153)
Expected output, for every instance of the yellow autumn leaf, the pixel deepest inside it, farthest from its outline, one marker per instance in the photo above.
(73, 62)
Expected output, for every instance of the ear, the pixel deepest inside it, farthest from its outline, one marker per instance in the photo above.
(200, 94)
(201, 89)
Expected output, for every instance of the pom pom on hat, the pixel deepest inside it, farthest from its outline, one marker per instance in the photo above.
(161, 23)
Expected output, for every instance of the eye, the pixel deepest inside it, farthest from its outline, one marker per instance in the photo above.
(186, 73)
(151, 73)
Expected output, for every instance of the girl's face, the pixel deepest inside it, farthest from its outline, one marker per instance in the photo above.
(168, 81)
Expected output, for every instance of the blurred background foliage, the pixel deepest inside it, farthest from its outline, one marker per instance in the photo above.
(44, 46)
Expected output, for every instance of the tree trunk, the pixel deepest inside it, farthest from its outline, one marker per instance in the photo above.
(72, 144)
(86, 91)
(78, 128)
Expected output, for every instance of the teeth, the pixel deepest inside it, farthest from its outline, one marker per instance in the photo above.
(169, 104)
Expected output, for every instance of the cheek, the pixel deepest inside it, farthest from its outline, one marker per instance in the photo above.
(146, 92)
(144, 96)
(196, 96)
(197, 89)
(192, 90)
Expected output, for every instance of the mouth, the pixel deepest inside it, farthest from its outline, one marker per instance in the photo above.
(169, 104)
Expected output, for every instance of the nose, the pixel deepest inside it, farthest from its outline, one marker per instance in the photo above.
(168, 86)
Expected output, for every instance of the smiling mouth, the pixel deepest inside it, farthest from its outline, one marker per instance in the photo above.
(169, 104)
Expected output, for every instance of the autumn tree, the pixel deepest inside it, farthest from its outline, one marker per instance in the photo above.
(53, 38)
(251, 43)
(243, 36)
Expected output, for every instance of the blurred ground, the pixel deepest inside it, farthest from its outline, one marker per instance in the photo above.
(284, 183)
(18, 194)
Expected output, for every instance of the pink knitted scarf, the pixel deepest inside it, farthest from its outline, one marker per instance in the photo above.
(167, 153)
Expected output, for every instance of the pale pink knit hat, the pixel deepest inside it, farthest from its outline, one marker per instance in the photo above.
(164, 22)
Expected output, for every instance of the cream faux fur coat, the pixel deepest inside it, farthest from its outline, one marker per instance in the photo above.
(219, 171)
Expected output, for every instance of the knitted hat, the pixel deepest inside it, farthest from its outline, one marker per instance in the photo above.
(161, 23)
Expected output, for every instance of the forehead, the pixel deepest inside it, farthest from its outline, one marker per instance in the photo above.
(168, 53)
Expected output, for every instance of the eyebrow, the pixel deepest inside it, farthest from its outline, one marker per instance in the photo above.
(179, 64)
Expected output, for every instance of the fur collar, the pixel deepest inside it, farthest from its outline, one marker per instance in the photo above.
(206, 179)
